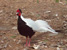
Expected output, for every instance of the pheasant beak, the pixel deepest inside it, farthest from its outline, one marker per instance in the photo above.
(17, 13)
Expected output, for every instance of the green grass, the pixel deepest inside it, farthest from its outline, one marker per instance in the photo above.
(38, 15)
(46, 40)
(66, 0)
(13, 36)
(57, 1)
(37, 1)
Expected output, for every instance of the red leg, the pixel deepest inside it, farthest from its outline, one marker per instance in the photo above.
(26, 41)
(29, 42)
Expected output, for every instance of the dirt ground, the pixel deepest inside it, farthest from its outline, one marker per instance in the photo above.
(49, 10)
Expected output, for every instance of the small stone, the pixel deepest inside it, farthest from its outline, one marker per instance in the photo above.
(26, 48)
(59, 45)
(1, 11)
(45, 46)
(5, 45)
(2, 41)
(44, 43)
(56, 14)
(58, 18)
(65, 16)
(61, 2)
(5, 38)
(65, 44)
(54, 45)
(36, 46)
(32, 13)
(10, 46)
(58, 48)
(47, 12)
(14, 27)
(18, 41)
(14, 40)
(40, 42)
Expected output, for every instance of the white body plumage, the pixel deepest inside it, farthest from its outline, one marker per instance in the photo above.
(38, 25)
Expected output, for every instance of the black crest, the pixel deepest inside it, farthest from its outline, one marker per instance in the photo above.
(20, 10)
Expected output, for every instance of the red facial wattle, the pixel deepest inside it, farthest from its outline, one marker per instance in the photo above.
(18, 13)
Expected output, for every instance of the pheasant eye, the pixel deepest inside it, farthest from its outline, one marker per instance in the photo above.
(17, 12)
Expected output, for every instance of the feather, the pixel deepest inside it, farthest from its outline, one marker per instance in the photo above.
(44, 26)
(38, 25)
(30, 23)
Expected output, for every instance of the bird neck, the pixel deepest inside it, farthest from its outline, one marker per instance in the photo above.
(22, 18)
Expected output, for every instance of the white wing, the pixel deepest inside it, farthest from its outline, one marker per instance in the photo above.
(44, 27)
(38, 25)
(30, 23)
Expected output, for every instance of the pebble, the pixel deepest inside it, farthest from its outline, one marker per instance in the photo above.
(14, 27)
(18, 41)
(32, 13)
(25, 49)
(54, 45)
(2, 41)
(5, 46)
(60, 43)
(36, 46)
(58, 18)
(47, 12)
(45, 46)
(10, 46)
(65, 16)
(58, 48)
(40, 42)
(65, 44)
(1, 11)
(4, 38)
(56, 14)
(14, 40)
